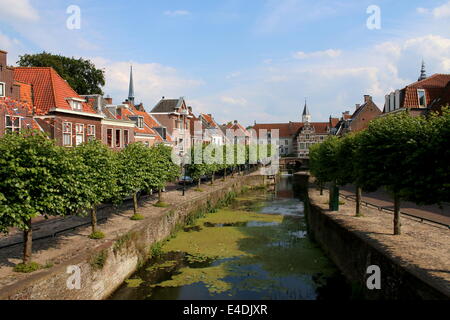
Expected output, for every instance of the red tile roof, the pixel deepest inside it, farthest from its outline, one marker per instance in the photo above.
(285, 129)
(49, 89)
(24, 110)
(433, 86)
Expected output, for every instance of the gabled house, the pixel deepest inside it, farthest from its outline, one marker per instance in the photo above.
(419, 96)
(60, 111)
(174, 115)
(295, 138)
(211, 130)
(360, 119)
(235, 133)
(117, 130)
(16, 109)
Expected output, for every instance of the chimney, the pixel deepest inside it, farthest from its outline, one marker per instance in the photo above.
(358, 105)
(108, 100)
(190, 109)
(235, 121)
(3, 61)
(210, 115)
(367, 98)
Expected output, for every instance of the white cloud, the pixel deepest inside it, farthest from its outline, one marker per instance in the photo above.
(234, 101)
(18, 10)
(151, 81)
(442, 11)
(330, 53)
(176, 13)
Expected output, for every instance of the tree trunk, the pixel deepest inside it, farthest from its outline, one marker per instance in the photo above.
(199, 182)
(397, 223)
(213, 177)
(321, 190)
(358, 201)
(159, 195)
(94, 219)
(225, 175)
(27, 243)
(135, 203)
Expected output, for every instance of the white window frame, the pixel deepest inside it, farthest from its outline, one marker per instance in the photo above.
(79, 133)
(112, 137)
(2, 90)
(13, 127)
(66, 132)
(424, 97)
(127, 135)
(91, 132)
(120, 138)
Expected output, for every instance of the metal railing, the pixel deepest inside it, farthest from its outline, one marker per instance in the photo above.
(391, 211)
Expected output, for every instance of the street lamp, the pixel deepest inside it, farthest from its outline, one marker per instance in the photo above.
(183, 167)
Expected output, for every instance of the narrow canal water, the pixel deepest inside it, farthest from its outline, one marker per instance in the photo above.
(255, 248)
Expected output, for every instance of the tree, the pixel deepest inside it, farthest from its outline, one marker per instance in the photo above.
(324, 165)
(387, 156)
(81, 74)
(346, 172)
(431, 165)
(132, 174)
(198, 167)
(36, 179)
(163, 169)
(97, 179)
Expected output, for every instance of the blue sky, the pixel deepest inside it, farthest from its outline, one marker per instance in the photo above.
(241, 60)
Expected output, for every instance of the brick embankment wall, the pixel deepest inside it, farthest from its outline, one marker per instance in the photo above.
(413, 266)
(104, 268)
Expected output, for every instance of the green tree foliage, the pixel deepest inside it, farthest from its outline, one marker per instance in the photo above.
(163, 169)
(81, 74)
(346, 170)
(133, 171)
(431, 171)
(36, 179)
(97, 182)
(388, 156)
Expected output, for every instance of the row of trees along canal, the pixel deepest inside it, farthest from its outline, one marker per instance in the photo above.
(408, 156)
(38, 178)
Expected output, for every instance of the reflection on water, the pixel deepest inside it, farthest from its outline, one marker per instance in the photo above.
(257, 248)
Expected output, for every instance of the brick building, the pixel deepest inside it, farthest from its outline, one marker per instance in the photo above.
(360, 119)
(60, 111)
(16, 109)
(428, 93)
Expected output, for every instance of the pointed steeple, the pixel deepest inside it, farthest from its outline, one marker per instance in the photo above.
(131, 90)
(306, 117)
(423, 74)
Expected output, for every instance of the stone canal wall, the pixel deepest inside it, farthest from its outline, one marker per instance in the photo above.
(412, 266)
(104, 268)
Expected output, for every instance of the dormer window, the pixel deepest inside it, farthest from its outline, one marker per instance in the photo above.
(422, 98)
(2, 89)
(75, 103)
(12, 124)
(140, 123)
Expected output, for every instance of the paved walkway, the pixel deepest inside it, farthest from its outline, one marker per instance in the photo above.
(382, 199)
(422, 249)
(75, 241)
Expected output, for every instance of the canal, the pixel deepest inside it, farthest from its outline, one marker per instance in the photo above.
(257, 247)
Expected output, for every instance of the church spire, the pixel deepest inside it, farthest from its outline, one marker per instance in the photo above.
(131, 90)
(306, 115)
(423, 74)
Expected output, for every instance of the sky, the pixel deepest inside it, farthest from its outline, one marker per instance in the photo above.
(245, 60)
